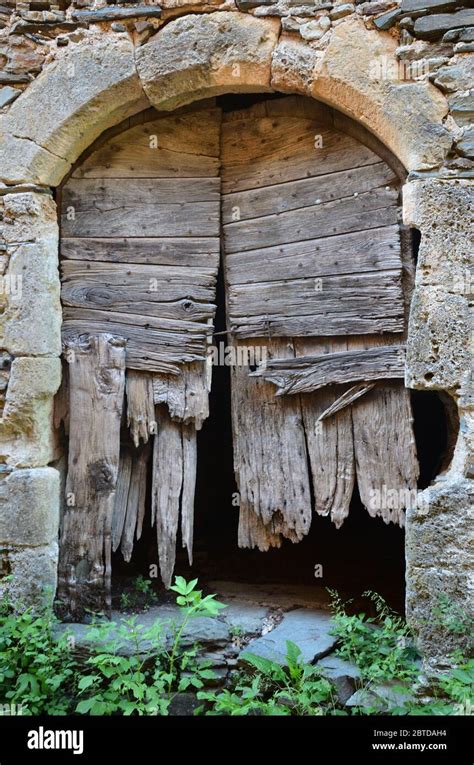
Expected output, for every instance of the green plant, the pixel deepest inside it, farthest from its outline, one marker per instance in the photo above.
(294, 689)
(381, 646)
(192, 604)
(36, 665)
(138, 670)
(124, 673)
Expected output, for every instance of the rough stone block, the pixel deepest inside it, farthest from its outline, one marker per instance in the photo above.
(26, 430)
(225, 52)
(34, 574)
(29, 507)
(89, 87)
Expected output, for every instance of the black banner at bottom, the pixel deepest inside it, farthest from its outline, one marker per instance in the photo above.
(98, 739)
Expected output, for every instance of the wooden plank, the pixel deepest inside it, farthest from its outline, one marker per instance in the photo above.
(198, 252)
(94, 445)
(140, 405)
(311, 372)
(135, 503)
(384, 444)
(166, 491)
(187, 146)
(168, 342)
(346, 399)
(294, 195)
(121, 496)
(186, 396)
(270, 151)
(377, 249)
(352, 304)
(146, 219)
(104, 194)
(160, 291)
(371, 209)
(329, 443)
(189, 487)
(270, 452)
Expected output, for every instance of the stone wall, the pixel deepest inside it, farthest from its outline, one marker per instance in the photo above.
(70, 70)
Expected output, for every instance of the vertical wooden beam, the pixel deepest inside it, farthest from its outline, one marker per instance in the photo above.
(96, 393)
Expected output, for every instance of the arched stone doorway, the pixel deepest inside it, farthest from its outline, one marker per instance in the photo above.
(36, 155)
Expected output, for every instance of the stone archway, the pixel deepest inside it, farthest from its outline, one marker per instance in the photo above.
(99, 81)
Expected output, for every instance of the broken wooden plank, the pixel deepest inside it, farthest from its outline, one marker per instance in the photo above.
(166, 490)
(346, 399)
(384, 444)
(198, 252)
(329, 443)
(96, 391)
(189, 487)
(309, 373)
(135, 508)
(140, 406)
(164, 343)
(121, 496)
(186, 396)
(269, 451)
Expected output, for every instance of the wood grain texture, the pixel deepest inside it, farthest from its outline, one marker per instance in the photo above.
(96, 393)
(308, 373)
(384, 445)
(330, 442)
(199, 252)
(294, 195)
(269, 455)
(140, 405)
(159, 345)
(375, 250)
(266, 151)
(370, 209)
(135, 503)
(186, 396)
(354, 304)
(187, 145)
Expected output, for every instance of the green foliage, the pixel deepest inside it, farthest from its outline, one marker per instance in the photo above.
(271, 689)
(36, 667)
(380, 646)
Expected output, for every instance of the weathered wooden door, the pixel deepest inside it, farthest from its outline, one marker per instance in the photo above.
(314, 270)
(316, 279)
(140, 226)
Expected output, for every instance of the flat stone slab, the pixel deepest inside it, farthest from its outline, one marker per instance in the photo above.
(309, 629)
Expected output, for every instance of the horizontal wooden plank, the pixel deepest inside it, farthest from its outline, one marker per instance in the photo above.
(151, 283)
(187, 146)
(126, 301)
(306, 374)
(104, 194)
(357, 213)
(294, 195)
(180, 219)
(270, 151)
(202, 252)
(163, 342)
(375, 250)
(352, 304)
(293, 106)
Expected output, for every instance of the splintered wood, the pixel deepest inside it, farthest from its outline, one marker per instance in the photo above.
(312, 248)
(96, 393)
